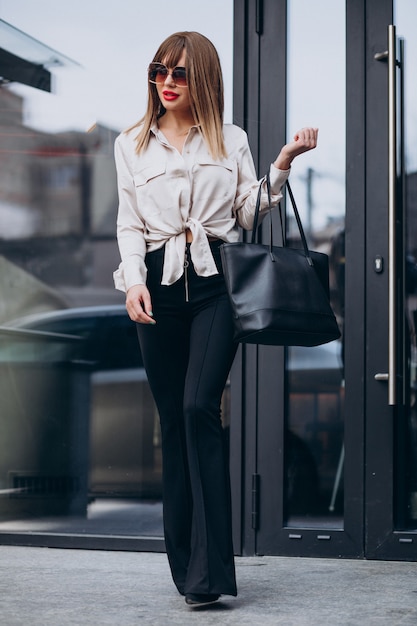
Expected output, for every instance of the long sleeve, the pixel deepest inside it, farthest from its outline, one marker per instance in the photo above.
(130, 227)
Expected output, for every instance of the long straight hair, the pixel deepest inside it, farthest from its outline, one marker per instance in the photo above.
(205, 85)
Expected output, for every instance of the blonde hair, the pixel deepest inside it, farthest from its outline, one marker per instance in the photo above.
(205, 85)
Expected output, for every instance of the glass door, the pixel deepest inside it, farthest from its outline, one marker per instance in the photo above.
(330, 432)
(391, 478)
(315, 379)
(317, 509)
(303, 409)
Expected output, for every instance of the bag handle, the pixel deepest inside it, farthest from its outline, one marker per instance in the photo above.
(296, 213)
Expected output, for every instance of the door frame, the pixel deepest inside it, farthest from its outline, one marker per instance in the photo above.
(382, 539)
(260, 108)
(259, 36)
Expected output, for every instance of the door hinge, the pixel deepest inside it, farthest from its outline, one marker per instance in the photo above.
(255, 500)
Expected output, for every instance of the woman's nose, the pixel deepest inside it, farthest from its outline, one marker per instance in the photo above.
(169, 79)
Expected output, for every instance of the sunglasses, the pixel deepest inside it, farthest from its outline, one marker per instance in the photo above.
(158, 73)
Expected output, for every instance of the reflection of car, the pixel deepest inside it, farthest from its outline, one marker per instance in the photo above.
(124, 451)
(315, 369)
(99, 344)
(110, 341)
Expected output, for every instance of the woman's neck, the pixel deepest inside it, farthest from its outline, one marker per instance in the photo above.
(176, 124)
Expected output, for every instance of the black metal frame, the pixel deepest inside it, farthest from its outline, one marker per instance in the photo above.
(259, 108)
(83, 542)
(260, 98)
(382, 540)
(370, 489)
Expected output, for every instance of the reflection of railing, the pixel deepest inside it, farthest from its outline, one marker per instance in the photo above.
(24, 345)
(23, 333)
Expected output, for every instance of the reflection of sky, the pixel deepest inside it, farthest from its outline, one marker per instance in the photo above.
(316, 84)
(406, 21)
(316, 97)
(113, 41)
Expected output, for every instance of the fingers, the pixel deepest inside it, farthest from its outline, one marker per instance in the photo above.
(138, 305)
(306, 138)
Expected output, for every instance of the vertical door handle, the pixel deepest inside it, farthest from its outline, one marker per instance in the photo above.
(390, 57)
(392, 218)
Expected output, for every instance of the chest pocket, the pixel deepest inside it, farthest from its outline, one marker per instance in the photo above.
(151, 192)
(214, 179)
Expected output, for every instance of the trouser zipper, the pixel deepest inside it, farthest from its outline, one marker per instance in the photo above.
(186, 264)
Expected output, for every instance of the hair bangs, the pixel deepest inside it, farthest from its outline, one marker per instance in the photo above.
(170, 52)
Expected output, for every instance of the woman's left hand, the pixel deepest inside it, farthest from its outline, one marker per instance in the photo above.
(304, 140)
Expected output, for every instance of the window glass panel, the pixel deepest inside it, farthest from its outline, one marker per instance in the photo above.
(314, 450)
(406, 420)
(80, 441)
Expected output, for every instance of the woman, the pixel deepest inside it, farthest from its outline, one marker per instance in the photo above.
(186, 182)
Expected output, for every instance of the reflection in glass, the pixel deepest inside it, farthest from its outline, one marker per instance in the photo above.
(79, 431)
(314, 452)
(80, 428)
(406, 419)
(79, 445)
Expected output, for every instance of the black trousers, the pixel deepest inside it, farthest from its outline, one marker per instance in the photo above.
(187, 355)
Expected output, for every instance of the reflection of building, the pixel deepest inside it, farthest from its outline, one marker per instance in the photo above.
(411, 204)
(57, 199)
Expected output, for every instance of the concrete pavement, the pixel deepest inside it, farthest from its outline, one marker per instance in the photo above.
(55, 587)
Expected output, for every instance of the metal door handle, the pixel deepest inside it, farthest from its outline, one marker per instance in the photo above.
(382, 377)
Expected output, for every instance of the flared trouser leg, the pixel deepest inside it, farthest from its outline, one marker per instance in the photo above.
(187, 356)
(166, 376)
(211, 565)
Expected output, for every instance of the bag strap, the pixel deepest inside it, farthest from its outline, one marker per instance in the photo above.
(296, 213)
(257, 207)
(256, 224)
(299, 224)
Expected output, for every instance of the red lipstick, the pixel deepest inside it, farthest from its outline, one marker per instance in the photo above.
(170, 95)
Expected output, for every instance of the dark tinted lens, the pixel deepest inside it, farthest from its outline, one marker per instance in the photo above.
(180, 76)
(157, 73)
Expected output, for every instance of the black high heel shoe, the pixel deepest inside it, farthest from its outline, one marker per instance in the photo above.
(196, 600)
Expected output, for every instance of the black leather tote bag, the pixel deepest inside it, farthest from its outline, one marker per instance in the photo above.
(279, 295)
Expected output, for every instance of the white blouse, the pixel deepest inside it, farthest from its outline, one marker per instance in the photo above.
(163, 192)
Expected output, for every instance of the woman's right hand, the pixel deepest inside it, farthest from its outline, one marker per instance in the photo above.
(138, 304)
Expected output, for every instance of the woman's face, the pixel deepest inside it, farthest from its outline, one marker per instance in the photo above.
(173, 97)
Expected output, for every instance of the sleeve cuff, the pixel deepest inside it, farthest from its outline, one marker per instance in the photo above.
(123, 279)
(277, 178)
